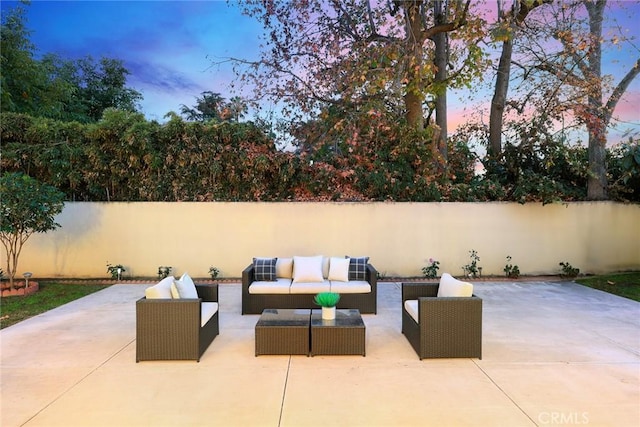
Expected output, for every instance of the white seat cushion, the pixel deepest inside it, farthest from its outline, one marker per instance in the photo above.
(279, 286)
(450, 287)
(207, 311)
(411, 306)
(351, 287)
(161, 290)
(310, 287)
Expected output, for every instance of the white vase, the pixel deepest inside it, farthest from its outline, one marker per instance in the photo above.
(328, 313)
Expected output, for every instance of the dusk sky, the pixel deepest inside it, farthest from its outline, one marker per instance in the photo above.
(168, 47)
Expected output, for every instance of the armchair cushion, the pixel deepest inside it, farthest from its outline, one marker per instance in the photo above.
(209, 309)
(161, 290)
(186, 287)
(450, 287)
(411, 306)
(265, 269)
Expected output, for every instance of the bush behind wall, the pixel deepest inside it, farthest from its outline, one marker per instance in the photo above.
(124, 157)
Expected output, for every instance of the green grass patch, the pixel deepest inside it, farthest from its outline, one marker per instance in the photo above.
(50, 295)
(622, 284)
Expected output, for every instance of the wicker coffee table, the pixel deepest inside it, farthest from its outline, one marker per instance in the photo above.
(344, 335)
(283, 331)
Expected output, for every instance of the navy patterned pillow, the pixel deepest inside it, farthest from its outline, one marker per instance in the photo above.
(264, 269)
(358, 268)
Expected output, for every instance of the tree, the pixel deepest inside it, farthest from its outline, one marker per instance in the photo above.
(235, 109)
(102, 85)
(357, 56)
(28, 207)
(208, 107)
(54, 87)
(568, 76)
(508, 23)
(26, 87)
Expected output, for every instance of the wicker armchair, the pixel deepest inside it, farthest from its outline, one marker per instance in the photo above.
(448, 327)
(169, 329)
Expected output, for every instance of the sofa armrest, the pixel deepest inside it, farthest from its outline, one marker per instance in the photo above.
(371, 275)
(248, 277)
(208, 292)
(416, 290)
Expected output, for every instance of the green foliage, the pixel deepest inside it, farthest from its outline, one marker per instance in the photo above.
(49, 296)
(626, 285)
(327, 299)
(538, 167)
(512, 271)
(472, 269)
(115, 270)
(430, 271)
(68, 90)
(124, 157)
(214, 272)
(164, 271)
(28, 206)
(568, 271)
(624, 170)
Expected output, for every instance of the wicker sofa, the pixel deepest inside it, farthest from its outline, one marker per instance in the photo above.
(170, 328)
(446, 326)
(286, 292)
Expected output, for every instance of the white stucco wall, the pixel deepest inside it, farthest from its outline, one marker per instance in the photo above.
(399, 237)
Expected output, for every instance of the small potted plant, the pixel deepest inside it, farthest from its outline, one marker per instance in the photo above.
(214, 272)
(328, 302)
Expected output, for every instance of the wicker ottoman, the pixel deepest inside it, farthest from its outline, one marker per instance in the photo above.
(344, 335)
(283, 331)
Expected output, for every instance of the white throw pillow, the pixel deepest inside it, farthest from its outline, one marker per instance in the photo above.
(186, 287)
(339, 269)
(450, 287)
(284, 268)
(161, 290)
(307, 269)
(174, 291)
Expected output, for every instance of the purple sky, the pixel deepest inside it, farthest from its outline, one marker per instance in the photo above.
(168, 45)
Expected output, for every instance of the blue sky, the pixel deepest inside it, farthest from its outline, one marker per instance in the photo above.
(168, 46)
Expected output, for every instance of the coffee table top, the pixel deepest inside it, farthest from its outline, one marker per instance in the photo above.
(348, 318)
(284, 317)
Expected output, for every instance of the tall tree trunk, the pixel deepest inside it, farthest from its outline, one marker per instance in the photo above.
(517, 15)
(596, 126)
(441, 61)
(496, 115)
(415, 39)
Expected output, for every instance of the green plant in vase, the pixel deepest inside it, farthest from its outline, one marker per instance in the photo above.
(328, 302)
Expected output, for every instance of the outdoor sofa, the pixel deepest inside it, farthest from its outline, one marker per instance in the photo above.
(176, 320)
(293, 283)
(442, 320)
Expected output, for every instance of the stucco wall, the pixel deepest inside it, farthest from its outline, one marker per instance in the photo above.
(399, 237)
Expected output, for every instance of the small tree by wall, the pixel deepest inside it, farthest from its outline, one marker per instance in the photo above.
(27, 206)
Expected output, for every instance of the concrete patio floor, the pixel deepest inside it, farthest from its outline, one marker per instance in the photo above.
(553, 354)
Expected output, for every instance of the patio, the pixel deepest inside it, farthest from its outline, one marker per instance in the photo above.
(553, 354)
